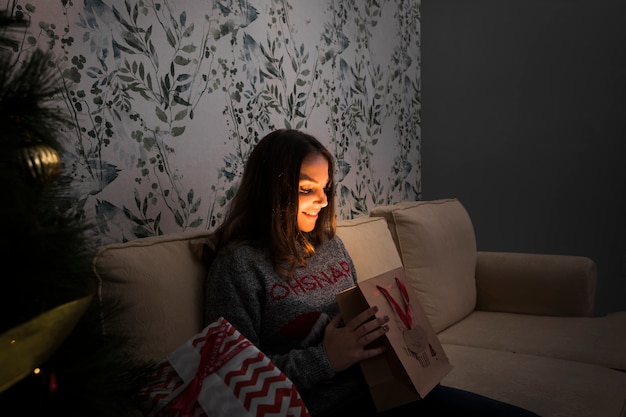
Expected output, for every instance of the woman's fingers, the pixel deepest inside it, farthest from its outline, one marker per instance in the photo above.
(363, 317)
(357, 340)
(370, 342)
(367, 326)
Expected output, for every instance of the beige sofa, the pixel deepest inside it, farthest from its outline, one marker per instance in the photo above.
(516, 327)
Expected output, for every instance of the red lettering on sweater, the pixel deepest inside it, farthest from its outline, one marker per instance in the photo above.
(345, 266)
(307, 283)
(296, 287)
(279, 291)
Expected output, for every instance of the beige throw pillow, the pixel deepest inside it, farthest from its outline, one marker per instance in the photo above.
(159, 282)
(370, 245)
(437, 246)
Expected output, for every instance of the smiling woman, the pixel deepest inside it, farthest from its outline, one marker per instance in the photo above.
(278, 268)
(313, 189)
(285, 199)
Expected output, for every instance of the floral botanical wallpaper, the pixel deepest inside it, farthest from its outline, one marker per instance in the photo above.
(168, 98)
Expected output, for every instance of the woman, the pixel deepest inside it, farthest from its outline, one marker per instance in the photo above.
(278, 267)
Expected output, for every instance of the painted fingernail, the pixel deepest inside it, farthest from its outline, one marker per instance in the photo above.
(386, 318)
(386, 328)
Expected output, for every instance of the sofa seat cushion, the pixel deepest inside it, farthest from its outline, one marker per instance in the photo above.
(159, 282)
(370, 245)
(549, 387)
(594, 340)
(437, 246)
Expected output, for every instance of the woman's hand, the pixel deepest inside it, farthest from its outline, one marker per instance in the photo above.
(345, 345)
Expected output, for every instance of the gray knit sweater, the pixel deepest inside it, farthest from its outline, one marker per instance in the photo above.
(286, 320)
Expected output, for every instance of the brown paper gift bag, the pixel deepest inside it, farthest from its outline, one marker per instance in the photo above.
(414, 362)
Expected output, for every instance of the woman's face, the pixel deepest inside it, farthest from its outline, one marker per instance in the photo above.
(312, 190)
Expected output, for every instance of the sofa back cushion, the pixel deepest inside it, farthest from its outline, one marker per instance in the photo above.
(158, 282)
(370, 245)
(437, 246)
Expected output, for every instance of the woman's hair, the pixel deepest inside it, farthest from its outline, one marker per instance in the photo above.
(264, 210)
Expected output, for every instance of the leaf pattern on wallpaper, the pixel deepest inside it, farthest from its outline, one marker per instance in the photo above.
(368, 97)
(143, 75)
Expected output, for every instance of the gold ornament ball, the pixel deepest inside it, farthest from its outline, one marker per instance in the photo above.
(43, 163)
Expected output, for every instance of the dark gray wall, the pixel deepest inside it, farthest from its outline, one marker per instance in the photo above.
(524, 120)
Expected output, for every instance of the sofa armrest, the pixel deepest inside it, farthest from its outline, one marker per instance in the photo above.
(540, 284)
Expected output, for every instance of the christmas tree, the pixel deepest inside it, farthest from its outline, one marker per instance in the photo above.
(54, 357)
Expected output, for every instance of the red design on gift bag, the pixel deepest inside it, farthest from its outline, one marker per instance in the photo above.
(161, 383)
(217, 346)
(404, 315)
(248, 390)
(248, 383)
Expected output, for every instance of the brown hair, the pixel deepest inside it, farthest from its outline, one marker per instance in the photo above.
(264, 209)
